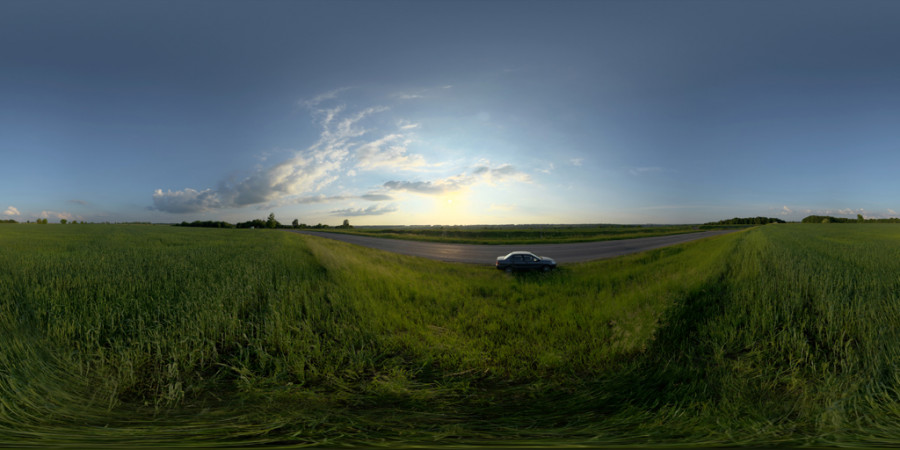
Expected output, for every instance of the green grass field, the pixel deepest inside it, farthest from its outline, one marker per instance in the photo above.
(523, 234)
(147, 335)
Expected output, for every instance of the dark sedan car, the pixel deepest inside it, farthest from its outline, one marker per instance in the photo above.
(524, 261)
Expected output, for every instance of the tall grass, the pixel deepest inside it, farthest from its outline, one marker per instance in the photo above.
(784, 334)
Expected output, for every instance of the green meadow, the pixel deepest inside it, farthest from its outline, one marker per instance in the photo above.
(115, 335)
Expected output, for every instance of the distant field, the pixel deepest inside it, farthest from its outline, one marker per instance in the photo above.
(128, 334)
(518, 234)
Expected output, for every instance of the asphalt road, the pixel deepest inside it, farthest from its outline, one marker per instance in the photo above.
(487, 254)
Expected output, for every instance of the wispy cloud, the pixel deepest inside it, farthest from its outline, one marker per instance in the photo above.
(11, 211)
(342, 142)
(422, 187)
(319, 199)
(785, 210)
(387, 152)
(480, 174)
(406, 125)
(843, 212)
(645, 170)
(313, 199)
(330, 95)
(376, 197)
(374, 210)
(576, 161)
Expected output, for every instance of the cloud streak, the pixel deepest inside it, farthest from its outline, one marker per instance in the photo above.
(374, 210)
(480, 174)
(11, 211)
(645, 170)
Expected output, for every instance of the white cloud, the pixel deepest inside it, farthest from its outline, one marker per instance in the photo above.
(785, 210)
(11, 211)
(56, 214)
(406, 125)
(576, 161)
(892, 212)
(374, 210)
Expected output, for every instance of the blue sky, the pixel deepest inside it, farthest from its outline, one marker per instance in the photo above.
(464, 112)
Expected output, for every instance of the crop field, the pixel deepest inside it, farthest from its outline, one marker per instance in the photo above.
(119, 335)
(521, 234)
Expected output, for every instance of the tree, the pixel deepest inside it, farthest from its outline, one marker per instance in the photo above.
(62, 221)
(295, 223)
(271, 222)
(346, 223)
(859, 218)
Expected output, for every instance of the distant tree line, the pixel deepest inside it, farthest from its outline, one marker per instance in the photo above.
(747, 221)
(269, 222)
(859, 219)
(8, 221)
(206, 224)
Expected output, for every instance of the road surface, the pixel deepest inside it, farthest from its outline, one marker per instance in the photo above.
(487, 254)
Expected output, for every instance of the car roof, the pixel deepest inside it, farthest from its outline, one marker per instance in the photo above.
(520, 252)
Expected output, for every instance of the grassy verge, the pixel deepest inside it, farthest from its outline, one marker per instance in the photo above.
(148, 335)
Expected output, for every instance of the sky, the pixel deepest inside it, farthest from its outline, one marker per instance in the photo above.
(448, 112)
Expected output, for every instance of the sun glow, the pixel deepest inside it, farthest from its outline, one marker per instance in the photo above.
(451, 208)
